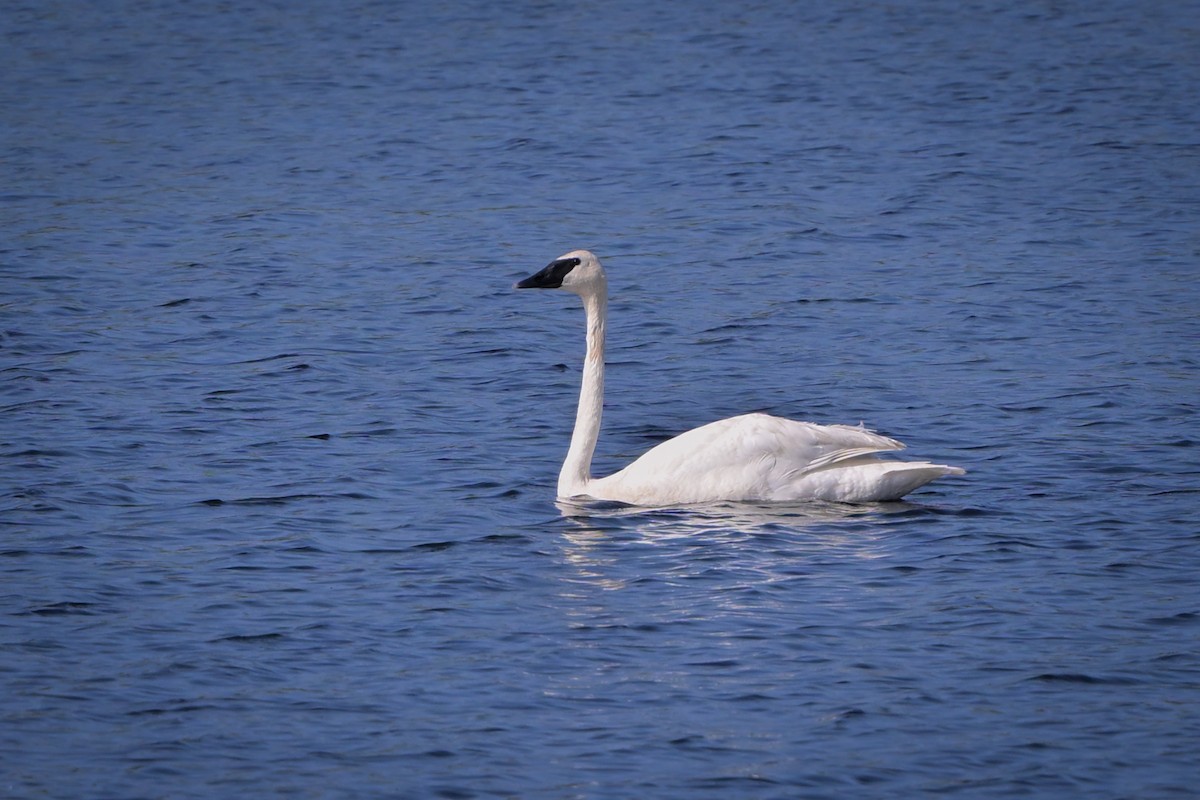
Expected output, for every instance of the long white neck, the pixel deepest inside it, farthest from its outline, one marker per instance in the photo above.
(576, 470)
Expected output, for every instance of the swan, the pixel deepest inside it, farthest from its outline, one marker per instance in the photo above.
(748, 458)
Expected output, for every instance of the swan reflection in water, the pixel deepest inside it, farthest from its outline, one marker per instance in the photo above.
(767, 542)
(723, 517)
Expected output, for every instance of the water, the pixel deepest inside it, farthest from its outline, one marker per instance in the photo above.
(279, 441)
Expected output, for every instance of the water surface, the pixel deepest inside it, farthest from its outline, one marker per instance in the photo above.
(279, 440)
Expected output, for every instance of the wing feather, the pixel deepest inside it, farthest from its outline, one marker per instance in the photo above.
(749, 457)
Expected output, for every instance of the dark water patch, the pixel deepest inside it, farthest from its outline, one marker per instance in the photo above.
(1184, 491)
(182, 708)
(824, 300)
(433, 547)
(283, 500)
(252, 638)
(718, 664)
(64, 608)
(1182, 618)
(1083, 679)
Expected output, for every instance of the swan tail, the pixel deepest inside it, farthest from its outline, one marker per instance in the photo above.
(865, 479)
(902, 477)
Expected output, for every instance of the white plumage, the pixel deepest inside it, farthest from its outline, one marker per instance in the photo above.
(749, 458)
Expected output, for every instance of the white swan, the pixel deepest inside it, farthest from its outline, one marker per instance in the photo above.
(751, 458)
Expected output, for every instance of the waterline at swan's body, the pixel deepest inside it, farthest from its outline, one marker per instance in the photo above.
(750, 458)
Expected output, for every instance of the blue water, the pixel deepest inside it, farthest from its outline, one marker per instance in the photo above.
(279, 442)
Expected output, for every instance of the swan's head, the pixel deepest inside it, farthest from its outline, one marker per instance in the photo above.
(577, 271)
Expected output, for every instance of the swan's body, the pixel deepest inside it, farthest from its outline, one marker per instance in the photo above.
(751, 458)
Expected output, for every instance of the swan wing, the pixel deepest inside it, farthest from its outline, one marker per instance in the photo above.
(744, 458)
